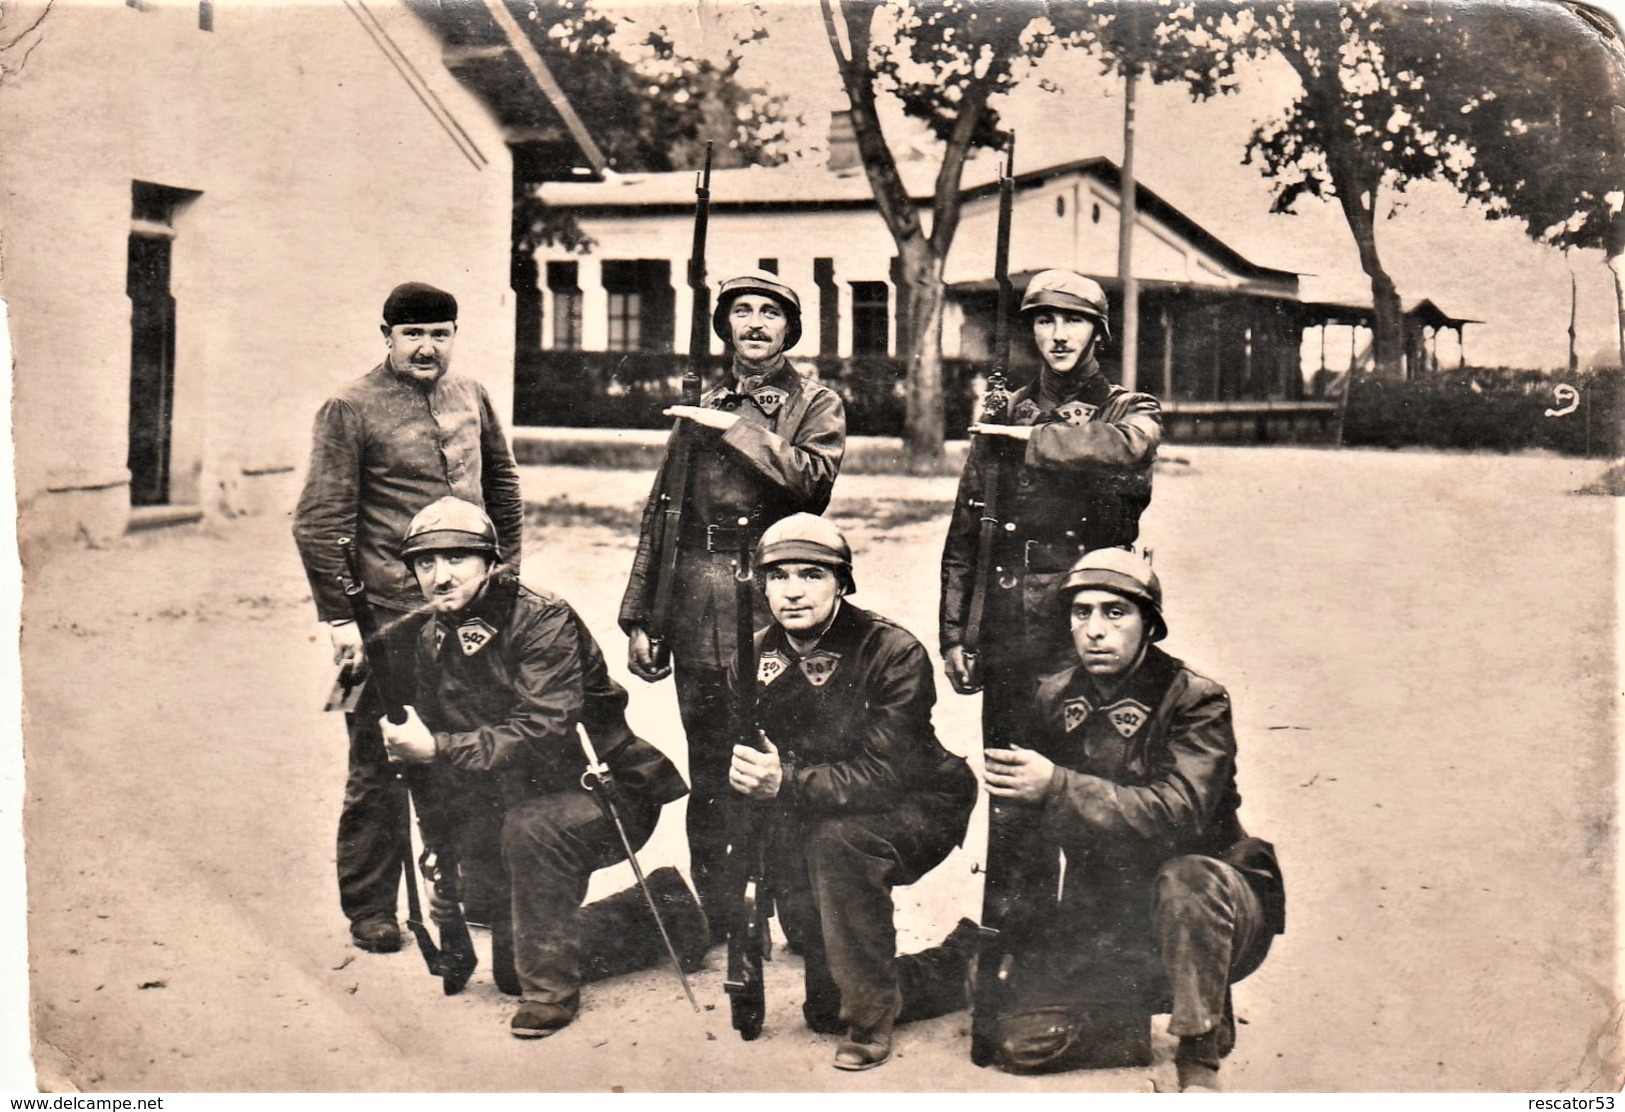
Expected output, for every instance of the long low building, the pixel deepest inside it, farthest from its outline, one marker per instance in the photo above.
(1217, 332)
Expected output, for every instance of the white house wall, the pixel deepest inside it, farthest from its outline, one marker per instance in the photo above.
(1068, 222)
(323, 180)
(1071, 223)
(856, 240)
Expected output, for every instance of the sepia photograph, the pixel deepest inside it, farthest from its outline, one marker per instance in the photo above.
(667, 546)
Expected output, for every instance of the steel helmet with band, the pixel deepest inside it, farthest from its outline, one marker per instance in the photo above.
(807, 539)
(1122, 573)
(450, 525)
(758, 282)
(1067, 289)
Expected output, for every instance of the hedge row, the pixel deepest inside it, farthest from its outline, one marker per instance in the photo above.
(1497, 409)
(610, 390)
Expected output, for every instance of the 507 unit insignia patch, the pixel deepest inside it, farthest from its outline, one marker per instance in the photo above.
(820, 666)
(768, 399)
(1074, 713)
(1077, 413)
(472, 636)
(1128, 716)
(770, 667)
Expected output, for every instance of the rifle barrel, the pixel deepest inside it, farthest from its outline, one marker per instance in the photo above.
(1001, 258)
(699, 330)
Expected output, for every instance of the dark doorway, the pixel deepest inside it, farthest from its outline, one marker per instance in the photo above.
(152, 340)
(152, 368)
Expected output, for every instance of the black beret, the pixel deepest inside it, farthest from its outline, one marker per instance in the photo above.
(418, 303)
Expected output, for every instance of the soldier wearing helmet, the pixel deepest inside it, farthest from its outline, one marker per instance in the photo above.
(867, 798)
(1130, 771)
(383, 447)
(763, 443)
(1073, 468)
(505, 675)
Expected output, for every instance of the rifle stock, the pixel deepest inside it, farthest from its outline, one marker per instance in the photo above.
(454, 960)
(747, 938)
(674, 492)
(995, 410)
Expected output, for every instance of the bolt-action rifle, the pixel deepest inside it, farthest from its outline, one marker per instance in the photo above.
(600, 781)
(748, 939)
(674, 492)
(454, 960)
(995, 411)
(1005, 875)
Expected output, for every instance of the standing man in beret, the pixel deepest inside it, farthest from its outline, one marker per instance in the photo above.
(392, 441)
(765, 443)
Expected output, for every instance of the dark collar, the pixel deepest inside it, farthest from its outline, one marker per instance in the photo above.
(494, 606)
(1086, 384)
(1146, 684)
(843, 632)
(781, 374)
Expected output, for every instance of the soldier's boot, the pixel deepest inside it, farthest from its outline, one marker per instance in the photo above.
(618, 935)
(933, 982)
(1197, 1058)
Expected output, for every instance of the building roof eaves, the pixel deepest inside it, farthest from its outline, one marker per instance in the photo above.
(800, 189)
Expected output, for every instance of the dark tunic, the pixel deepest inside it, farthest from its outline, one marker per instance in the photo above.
(1080, 484)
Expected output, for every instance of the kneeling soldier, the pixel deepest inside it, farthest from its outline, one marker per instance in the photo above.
(866, 797)
(1165, 899)
(504, 676)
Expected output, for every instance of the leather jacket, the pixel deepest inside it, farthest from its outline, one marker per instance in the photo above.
(1079, 484)
(852, 722)
(502, 685)
(780, 458)
(1144, 776)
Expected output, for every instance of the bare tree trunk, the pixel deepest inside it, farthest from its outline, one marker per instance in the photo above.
(1388, 328)
(1614, 246)
(1616, 263)
(922, 256)
(923, 416)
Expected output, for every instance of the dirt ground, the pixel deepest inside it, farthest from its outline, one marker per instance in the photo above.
(1421, 650)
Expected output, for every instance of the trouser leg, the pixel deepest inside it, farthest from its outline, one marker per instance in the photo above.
(702, 699)
(477, 841)
(933, 981)
(372, 822)
(852, 866)
(551, 845)
(1210, 929)
(618, 933)
(798, 915)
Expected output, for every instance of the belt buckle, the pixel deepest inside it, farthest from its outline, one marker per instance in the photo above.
(710, 538)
